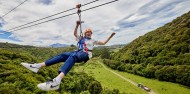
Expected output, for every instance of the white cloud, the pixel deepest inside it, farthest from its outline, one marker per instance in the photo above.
(128, 18)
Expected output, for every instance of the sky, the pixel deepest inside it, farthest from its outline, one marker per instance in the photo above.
(129, 19)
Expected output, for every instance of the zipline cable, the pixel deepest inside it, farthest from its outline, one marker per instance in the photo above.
(13, 9)
(67, 15)
(99, 5)
(45, 21)
(51, 16)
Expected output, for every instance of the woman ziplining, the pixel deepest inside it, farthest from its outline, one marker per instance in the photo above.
(83, 54)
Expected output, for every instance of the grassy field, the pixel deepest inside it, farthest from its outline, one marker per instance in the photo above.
(111, 81)
(108, 79)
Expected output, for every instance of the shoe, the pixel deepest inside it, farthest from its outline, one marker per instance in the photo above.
(30, 67)
(49, 85)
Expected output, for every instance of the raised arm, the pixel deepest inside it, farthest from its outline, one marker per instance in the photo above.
(104, 42)
(76, 28)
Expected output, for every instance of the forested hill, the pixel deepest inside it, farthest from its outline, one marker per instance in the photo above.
(167, 45)
(15, 79)
(163, 53)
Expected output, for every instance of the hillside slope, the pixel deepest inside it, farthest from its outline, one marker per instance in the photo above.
(163, 53)
(15, 79)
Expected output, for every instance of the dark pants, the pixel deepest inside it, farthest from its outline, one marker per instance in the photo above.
(69, 58)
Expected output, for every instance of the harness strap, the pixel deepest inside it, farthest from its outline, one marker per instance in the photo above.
(85, 48)
(80, 43)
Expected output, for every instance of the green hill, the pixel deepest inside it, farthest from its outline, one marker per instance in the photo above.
(163, 53)
(15, 79)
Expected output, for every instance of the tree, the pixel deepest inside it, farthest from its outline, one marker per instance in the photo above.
(95, 87)
(105, 53)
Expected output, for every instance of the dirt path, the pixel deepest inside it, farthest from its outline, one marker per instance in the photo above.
(126, 79)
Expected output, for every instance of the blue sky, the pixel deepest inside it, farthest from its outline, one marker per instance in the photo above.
(128, 18)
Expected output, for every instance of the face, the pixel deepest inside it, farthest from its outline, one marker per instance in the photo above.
(88, 34)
